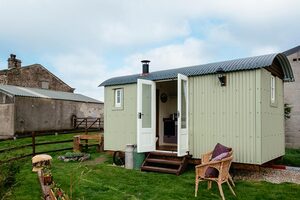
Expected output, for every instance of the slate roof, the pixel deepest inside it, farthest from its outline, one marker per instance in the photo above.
(43, 93)
(198, 70)
(291, 51)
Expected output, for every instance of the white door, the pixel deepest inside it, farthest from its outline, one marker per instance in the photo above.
(146, 115)
(182, 121)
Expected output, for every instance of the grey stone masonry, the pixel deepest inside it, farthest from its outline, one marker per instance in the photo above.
(13, 62)
(35, 76)
(292, 97)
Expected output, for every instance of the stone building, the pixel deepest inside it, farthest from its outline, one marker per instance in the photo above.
(25, 110)
(292, 98)
(34, 99)
(34, 76)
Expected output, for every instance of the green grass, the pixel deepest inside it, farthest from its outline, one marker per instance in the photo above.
(40, 148)
(291, 158)
(101, 180)
(104, 181)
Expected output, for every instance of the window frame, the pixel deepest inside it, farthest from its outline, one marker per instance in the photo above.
(118, 97)
(45, 85)
(273, 90)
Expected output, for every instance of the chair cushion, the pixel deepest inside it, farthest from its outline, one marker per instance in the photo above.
(211, 172)
(220, 151)
(220, 157)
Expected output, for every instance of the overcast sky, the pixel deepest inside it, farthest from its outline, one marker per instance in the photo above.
(85, 42)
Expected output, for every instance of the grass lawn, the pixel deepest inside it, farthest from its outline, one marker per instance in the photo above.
(40, 148)
(291, 158)
(96, 179)
(104, 181)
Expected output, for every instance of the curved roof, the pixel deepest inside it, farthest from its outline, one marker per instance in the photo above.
(249, 63)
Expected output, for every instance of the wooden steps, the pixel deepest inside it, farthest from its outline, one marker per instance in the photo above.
(163, 153)
(159, 169)
(165, 162)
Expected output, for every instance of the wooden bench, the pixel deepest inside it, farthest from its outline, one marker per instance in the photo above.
(81, 140)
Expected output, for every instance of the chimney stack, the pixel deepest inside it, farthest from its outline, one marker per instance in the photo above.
(13, 62)
(145, 67)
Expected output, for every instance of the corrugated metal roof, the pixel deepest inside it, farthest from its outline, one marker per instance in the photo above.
(198, 70)
(43, 93)
(291, 51)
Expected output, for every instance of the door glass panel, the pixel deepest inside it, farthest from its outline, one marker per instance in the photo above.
(183, 103)
(146, 106)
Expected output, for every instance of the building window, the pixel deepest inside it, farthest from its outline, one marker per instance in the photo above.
(45, 84)
(273, 89)
(296, 59)
(118, 97)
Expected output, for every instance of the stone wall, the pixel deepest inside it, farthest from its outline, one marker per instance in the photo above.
(39, 114)
(6, 120)
(292, 97)
(33, 76)
(3, 78)
(5, 99)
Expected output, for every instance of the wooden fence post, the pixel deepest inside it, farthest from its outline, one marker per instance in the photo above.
(33, 143)
(74, 121)
(99, 124)
(86, 132)
(86, 126)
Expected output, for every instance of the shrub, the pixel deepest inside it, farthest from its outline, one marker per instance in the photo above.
(8, 176)
(287, 111)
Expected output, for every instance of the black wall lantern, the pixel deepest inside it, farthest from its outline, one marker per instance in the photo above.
(221, 76)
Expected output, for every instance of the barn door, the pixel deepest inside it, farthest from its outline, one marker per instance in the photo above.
(182, 123)
(145, 115)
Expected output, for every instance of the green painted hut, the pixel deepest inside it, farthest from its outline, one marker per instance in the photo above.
(238, 103)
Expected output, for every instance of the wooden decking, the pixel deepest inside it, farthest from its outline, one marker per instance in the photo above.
(166, 148)
(165, 162)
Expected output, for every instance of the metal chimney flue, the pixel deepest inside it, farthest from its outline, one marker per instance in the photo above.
(145, 67)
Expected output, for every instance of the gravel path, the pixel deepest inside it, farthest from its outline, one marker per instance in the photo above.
(291, 174)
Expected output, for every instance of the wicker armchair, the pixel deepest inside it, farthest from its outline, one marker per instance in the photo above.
(205, 158)
(223, 168)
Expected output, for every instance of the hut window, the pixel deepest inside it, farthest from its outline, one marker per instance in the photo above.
(118, 97)
(273, 89)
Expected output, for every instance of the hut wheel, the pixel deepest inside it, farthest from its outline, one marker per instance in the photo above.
(119, 158)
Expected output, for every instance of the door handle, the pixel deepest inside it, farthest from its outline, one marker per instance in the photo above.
(140, 115)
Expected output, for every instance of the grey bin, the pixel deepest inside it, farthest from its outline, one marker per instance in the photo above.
(138, 159)
(129, 156)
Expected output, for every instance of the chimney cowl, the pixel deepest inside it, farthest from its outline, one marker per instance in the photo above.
(13, 62)
(145, 65)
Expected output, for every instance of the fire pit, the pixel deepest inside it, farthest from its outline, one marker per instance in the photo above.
(74, 156)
